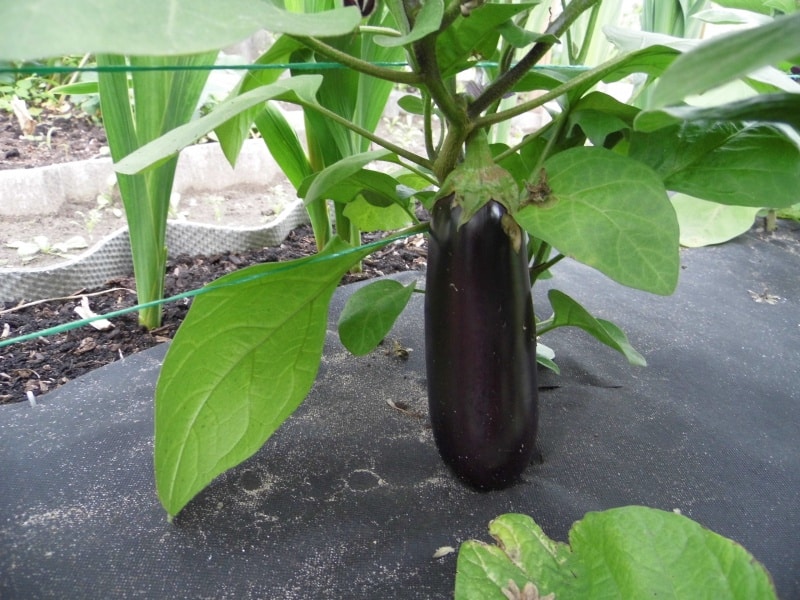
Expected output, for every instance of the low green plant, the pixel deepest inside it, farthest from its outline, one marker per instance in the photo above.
(35, 82)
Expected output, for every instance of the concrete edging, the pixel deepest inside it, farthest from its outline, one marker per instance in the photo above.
(30, 192)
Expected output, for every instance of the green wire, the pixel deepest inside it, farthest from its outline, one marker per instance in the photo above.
(303, 66)
(289, 266)
(307, 66)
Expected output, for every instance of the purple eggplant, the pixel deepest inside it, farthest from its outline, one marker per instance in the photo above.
(480, 344)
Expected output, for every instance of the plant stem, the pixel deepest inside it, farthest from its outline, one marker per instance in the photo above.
(362, 66)
(543, 327)
(448, 103)
(771, 221)
(505, 82)
(587, 39)
(379, 30)
(539, 269)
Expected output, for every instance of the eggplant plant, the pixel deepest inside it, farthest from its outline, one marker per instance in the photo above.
(590, 184)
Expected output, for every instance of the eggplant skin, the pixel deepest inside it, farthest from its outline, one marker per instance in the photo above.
(480, 346)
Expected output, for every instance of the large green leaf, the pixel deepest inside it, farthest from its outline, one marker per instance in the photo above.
(703, 223)
(370, 312)
(611, 213)
(322, 183)
(379, 188)
(241, 363)
(568, 313)
(729, 163)
(628, 552)
(170, 144)
(36, 29)
(732, 56)
(664, 554)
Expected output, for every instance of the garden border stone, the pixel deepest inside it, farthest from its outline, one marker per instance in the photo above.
(25, 192)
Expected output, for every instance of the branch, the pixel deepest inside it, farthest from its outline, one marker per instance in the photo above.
(498, 88)
(587, 77)
(357, 64)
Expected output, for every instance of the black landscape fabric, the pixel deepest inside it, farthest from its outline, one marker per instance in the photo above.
(349, 498)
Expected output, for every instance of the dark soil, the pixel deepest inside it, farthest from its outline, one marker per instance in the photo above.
(42, 364)
(58, 137)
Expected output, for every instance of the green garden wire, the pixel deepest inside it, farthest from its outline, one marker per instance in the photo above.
(299, 66)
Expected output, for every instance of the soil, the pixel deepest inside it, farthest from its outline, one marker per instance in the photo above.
(41, 365)
(58, 137)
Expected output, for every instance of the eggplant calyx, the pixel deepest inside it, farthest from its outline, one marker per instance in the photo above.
(478, 179)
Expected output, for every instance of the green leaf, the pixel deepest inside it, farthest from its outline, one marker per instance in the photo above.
(628, 552)
(379, 189)
(662, 554)
(772, 108)
(234, 132)
(368, 216)
(370, 312)
(651, 61)
(732, 56)
(611, 213)
(427, 21)
(283, 144)
(411, 104)
(568, 313)
(520, 38)
(729, 163)
(483, 571)
(704, 223)
(37, 29)
(329, 177)
(171, 143)
(599, 115)
(241, 363)
(759, 6)
(457, 44)
(81, 88)
(528, 547)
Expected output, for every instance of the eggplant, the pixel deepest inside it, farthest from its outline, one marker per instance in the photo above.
(480, 344)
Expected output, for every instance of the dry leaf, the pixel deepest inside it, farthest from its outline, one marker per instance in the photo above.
(443, 551)
(84, 312)
(24, 118)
